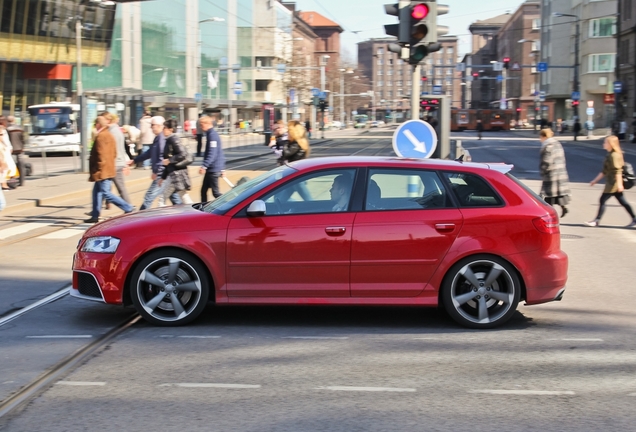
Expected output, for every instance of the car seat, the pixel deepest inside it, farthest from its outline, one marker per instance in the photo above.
(374, 196)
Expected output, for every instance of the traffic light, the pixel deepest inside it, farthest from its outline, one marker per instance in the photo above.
(575, 103)
(424, 79)
(323, 105)
(506, 62)
(424, 29)
(400, 30)
(475, 74)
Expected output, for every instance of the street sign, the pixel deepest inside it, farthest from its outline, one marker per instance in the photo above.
(589, 111)
(198, 97)
(322, 95)
(576, 95)
(497, 66)
(618, 87)
(499, 78)
(541, 96)
(542, 67)
(315, 91)
(415, 139)
(238, 88)
(515, 67)
(437, 89)
(281, 67)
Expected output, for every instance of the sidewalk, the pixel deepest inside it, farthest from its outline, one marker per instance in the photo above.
(568, 136)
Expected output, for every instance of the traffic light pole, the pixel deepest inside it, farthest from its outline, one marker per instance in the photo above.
(415, 93)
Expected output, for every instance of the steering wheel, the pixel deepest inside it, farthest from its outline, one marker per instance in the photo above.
(279, 206)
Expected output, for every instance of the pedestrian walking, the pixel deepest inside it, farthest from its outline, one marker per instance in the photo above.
(622, 130)
(6, 149)
(308, 128)
(297, 146)
(146, 138)
(132, 136)
(577, 128)
(155, 156)
(3, 167)
(555, 189)
(121, 160)
(480, 128)
(613, 174)
(175, 162)
(16, 137)
(102, 170)
(199, 134)
(213, 161)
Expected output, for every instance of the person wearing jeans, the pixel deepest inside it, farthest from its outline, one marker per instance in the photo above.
(213, 161)
(155, 157)
(102, 170)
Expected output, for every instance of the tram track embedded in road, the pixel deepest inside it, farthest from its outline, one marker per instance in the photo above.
(40, 384)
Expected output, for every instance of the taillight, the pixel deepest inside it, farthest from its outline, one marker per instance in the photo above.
(547, 224)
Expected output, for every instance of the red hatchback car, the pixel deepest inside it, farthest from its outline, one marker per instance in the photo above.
(336, 231)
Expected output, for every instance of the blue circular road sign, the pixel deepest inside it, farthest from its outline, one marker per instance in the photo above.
(415, 139)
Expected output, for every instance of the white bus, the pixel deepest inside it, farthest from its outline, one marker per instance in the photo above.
(54, 128)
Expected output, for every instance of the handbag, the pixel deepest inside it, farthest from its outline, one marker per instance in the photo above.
(628, 176)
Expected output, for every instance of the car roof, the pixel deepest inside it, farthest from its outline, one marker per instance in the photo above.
(337, 161)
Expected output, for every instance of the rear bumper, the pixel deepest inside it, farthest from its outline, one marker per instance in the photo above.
(544, 276)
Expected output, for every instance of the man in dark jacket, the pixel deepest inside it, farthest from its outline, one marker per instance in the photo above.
(480, 128)
(102, 170)
(213, 161)
(577, 128)
(155, 154)
(16, 136)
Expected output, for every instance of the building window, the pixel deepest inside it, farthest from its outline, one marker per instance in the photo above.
(389, 94)
(380, 72)
(400, 72)
(627, 10)
(400, 62)
(439, 61)
(450, 50)
(398, 83)
(389, 62)
(603, 27)
(380, 62)
(438, 82)
(399, 92)
(536, 24)
(441, 51)
(438, 71)
(601, 62)
(624, 53)
(449, 61)
(536, 46)
(429, 61)
(380, 83)
(449, 83)
(261, 85)
(449, 72)
(408, 83)
(389, 72)
(380, 51)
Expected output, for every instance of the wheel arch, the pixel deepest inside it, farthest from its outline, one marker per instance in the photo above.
(481, 255)
(126, 298)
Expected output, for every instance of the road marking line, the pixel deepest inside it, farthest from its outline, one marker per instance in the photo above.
(578, 339)
(211, 385)
(200, 337)
(425, 338)
(63, 234)
(368, 389)
(60, 337)
(21, 229)
(81, 383)
(525, 392)
(48, 299)
(317, 337)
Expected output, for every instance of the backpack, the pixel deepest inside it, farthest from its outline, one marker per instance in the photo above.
(628, 176)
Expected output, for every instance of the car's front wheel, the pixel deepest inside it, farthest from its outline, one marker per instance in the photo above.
(169, 288)
(481, 292)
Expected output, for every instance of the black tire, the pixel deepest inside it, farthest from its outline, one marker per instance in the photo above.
(158, 299)
(481, 291)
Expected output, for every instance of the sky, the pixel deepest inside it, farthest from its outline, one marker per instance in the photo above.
(368, 17)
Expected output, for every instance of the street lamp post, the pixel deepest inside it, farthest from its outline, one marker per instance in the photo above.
(575, 84)
(537, 90)
(199, 42)
(342, 111)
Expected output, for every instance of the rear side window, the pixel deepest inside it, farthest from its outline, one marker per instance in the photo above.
(401, 189)
(472, 191)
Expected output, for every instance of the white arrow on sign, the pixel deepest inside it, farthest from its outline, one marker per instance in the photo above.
(419, 146)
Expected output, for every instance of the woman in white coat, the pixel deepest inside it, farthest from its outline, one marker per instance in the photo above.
(10, 168)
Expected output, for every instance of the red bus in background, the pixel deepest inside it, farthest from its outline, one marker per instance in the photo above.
(492, 119)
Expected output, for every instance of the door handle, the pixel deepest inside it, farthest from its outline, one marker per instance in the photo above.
(335, 231)
(445, 227)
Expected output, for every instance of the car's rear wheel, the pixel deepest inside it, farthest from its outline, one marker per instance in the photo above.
(169, 288)
(481, 292)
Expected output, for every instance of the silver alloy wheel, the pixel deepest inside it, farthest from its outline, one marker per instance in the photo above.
(483, 291)
(169, 289)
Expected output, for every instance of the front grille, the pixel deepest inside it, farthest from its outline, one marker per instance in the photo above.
(87, 285)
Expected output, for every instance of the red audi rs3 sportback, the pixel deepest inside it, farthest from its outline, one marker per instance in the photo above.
(336, 231)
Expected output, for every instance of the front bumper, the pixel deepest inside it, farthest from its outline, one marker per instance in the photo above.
(99, 277)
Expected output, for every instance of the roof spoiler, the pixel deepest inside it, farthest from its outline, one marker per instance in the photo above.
(501, 167)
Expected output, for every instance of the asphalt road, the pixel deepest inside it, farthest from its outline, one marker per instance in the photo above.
(567, 366)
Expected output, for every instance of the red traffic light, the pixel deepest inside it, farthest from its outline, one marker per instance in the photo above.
(419, 11)
(424, 78)
(575, 103)
(518, 109)
(475, 74)
(506, 59)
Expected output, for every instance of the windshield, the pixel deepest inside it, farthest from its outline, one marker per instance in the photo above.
(54, 120)
(228, 200)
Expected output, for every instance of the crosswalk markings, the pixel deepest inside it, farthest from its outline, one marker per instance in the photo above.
(65, 233)
(22, 229)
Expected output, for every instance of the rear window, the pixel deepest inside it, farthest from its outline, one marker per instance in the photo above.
(472, 190)
(532, 193)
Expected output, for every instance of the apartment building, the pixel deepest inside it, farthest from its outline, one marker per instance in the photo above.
(626, 43)
(391, 78)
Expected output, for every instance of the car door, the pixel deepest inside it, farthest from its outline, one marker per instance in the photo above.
(408, 225)
(301, 247)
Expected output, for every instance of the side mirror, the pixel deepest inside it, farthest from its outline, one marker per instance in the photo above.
(257, 208)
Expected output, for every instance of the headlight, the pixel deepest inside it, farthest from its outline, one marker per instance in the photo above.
(101, 245)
